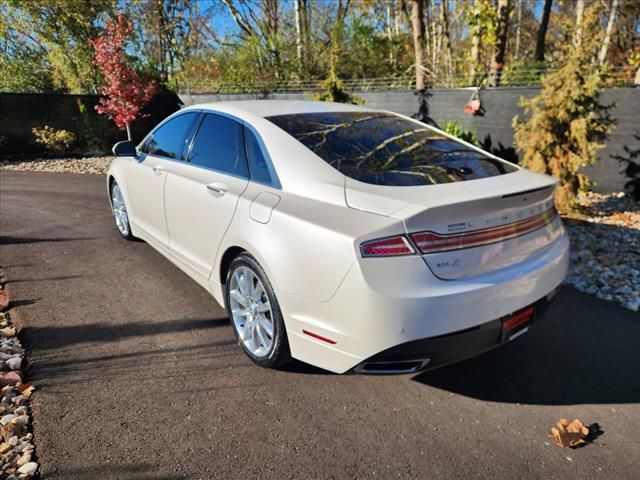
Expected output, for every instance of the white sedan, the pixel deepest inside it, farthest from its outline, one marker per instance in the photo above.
(348, 238)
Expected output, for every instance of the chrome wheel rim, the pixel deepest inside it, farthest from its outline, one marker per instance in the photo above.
(251, 311)
(119, 210)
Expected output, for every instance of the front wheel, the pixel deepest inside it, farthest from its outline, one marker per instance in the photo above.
(255, 313)
(120, 214)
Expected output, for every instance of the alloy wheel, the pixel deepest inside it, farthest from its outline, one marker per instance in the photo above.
(119, 210)
(251, 311)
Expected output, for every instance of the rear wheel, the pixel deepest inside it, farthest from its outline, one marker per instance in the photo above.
(119, 210)
(255, 313)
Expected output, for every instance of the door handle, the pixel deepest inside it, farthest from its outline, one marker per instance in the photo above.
(158, 170)
(217, 188)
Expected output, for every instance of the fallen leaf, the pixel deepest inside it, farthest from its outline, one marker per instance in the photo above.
(4, 299)
(25, 389)
(4, 448)
(566, 434)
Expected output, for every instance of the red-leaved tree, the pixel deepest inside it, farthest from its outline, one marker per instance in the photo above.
(125, 94)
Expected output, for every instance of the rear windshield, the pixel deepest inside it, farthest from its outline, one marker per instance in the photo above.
(385, 149)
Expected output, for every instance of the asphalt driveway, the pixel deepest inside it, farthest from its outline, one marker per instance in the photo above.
(138, 375)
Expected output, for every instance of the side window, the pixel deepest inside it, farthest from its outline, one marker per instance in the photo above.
(169, 140)
(218, 145)
(257, 163)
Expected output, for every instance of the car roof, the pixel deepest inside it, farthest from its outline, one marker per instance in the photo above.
(266, 108)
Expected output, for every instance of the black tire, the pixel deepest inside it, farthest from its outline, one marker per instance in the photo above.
(128, 235)
(279, 353)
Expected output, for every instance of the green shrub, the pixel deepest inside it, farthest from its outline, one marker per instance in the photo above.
(566, 124)
(454, 128)
(334, 91)
(54, 140)
(91, 129)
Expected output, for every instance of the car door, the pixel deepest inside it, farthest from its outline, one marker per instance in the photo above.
(201, 194)
(146, 176)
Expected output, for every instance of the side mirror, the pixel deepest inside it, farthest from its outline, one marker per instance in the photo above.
(124, 149)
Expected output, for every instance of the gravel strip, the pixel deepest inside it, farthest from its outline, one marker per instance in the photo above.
(16, 441)
(605, 234)
(605, 248)
(90, 165)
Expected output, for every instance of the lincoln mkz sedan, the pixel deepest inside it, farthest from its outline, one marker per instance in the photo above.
(349, 238)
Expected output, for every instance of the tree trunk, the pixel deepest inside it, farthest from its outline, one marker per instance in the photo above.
(516, 55)
(298, 8)
(542, 31)
(299, 33)
(636, 80)
(577, 39)
(430, 32)
(270, 8)
(476, 30)
(417, 27)
(501, 42)
(602, 55)
(162, 54)
(446, 37)
(388, 12)
(128, 131)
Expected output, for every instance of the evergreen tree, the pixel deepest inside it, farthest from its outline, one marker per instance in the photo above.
(567, 123)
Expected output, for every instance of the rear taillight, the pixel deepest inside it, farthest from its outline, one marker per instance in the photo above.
(387, 247)
(430, 242)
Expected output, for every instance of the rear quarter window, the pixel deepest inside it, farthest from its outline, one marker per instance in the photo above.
(385, 149)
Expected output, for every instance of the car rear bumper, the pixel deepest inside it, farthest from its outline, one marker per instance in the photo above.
(435, 352)
(384, 304)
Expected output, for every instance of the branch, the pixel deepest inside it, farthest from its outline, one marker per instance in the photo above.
(389, 140)
(239, 18)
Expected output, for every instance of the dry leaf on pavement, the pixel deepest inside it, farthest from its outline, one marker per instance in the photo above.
(566, 434)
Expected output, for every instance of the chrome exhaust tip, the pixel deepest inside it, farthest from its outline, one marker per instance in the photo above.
(392, 367)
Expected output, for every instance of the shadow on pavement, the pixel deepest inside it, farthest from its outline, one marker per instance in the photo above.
(9, 240)
(124, 472)
(296, 366)
(53, 337)
(584, 351)
(61, 374)
(21, 303)
(49, 279)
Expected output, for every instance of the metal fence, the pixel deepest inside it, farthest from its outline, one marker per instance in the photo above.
(616, 77)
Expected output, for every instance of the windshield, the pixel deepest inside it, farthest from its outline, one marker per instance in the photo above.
(384, 149)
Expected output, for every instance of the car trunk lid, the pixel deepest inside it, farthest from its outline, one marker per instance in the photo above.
(471, 228)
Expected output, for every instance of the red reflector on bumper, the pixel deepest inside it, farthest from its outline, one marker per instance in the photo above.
(319, 337)
(517, 319)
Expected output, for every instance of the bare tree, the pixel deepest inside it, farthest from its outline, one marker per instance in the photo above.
(476, 31)
(264, 28)
(500, 49)
(417, 27)
(602, 54)
(301, 16)
(270, 9)
(577, 39)
(516, 54)
(542, 31)
(446, 37)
